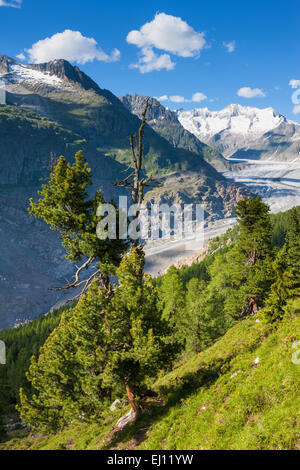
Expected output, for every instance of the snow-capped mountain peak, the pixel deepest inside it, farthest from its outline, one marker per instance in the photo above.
(15, 73)
(234, 118)
(21, 72)
(56, 75)
(237, 130)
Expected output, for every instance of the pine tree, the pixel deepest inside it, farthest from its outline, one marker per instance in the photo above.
(54, 381)
(67, 376)
(293, 253)
(287, 272)
(172, 301)
(107, 345)
(241, 275)
(121, 337)
(65, 205)
(256, 228)
(141, 341)
(250, 261)
(204, 315)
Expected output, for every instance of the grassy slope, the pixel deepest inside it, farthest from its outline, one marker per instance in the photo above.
(219, 399)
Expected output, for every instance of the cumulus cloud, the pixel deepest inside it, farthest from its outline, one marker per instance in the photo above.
(294, 83)
(162, 98)
(71, 46)
(169, 34)
(21, 56)
(230, 46)
(177, 99)
(296, 109)
(11, 3)
(247, 92)
(150, 61)
(196, 98)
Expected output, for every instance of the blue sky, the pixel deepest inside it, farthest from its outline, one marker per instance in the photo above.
(208, 52)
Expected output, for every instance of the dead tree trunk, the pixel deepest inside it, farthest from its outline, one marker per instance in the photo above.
(136, 185)
(135, 182)
(131, 415)
(253, 306)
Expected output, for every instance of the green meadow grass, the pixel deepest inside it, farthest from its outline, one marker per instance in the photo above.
(241, 393)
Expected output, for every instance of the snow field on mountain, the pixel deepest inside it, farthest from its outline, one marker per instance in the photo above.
(234, 118)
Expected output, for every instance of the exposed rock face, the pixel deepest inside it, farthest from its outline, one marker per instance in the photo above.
(63, 69)
(190, 188)
(245, 132)
(60, 68)
(5, 63)
(136, 104)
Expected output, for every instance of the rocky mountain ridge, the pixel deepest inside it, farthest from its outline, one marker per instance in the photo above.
(165, 122)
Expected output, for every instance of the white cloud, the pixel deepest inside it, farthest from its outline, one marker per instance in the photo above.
(177, 99)
(294, 83)
(230, 46)
(150, 61)
(21, 56)
(296, 109)
(169, 34)
(69, 45)
(247, 92)
(198, 97)
(162, 98)
(11, 3)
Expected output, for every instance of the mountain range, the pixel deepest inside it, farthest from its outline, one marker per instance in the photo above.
(53, 109)
(165, 122)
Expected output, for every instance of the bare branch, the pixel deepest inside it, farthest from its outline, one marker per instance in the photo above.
(141, 135)
(136, 146)
(87, 282)
(76, 282)
(134, 182)
(124, 181)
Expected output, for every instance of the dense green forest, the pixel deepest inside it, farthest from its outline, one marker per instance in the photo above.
(21, 343)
